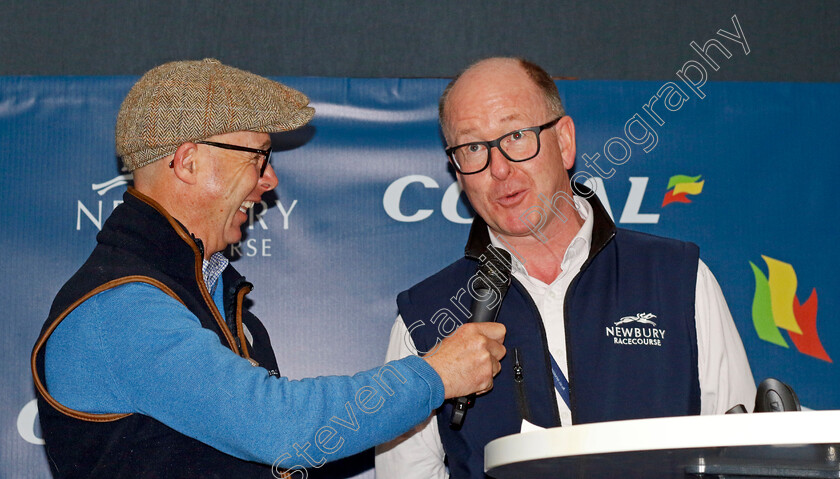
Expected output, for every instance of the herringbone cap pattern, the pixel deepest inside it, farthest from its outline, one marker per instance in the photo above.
(186, 101)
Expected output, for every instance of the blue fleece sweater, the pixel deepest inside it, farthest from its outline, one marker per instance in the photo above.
(134, 349)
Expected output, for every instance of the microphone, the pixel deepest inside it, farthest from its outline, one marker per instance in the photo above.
(488, 289)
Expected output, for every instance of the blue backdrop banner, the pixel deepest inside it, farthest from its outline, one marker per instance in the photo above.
(367, 206)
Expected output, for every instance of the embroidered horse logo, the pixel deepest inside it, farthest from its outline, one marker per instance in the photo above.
(644, 318)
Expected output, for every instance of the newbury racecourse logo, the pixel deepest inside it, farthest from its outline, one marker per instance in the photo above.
(776, 306)
(636, 335)
(639, 318)
(92, 211)
(680, 186)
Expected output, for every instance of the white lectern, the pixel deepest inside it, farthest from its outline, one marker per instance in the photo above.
(765, 445)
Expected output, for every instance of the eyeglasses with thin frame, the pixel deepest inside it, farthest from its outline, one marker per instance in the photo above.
(518, 145)
(266, 153)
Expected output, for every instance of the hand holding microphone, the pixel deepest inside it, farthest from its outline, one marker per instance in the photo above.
(489, 287)
(468, 359)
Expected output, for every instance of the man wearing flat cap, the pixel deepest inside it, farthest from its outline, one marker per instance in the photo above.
(150, 366)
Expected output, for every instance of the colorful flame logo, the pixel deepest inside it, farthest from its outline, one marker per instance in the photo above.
(776, 307)
(680, 186)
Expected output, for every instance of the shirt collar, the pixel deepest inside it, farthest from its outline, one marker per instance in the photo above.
(212, 268)
(576, 252)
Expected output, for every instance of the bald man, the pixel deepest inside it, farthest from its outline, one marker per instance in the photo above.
(602, 323)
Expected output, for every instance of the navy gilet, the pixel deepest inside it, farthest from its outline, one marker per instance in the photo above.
(630, 339)
(141, 242)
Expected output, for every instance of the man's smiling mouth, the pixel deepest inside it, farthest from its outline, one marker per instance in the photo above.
(246, 205)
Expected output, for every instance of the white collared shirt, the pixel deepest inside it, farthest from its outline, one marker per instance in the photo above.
(724, 372)
(549, 297)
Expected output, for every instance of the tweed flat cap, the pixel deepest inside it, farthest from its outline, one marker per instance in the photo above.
(186, 101)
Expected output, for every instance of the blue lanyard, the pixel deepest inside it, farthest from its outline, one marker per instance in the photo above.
(560, 382)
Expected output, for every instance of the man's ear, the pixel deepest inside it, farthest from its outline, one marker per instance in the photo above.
(565, 129)
(185, 163)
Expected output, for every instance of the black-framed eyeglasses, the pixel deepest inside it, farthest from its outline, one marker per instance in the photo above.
(518, 145)
(266, 153)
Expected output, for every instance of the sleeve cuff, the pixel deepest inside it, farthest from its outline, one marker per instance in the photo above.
(430, 376)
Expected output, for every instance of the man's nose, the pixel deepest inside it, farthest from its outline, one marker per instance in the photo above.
(499, 165)
(268, 181)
